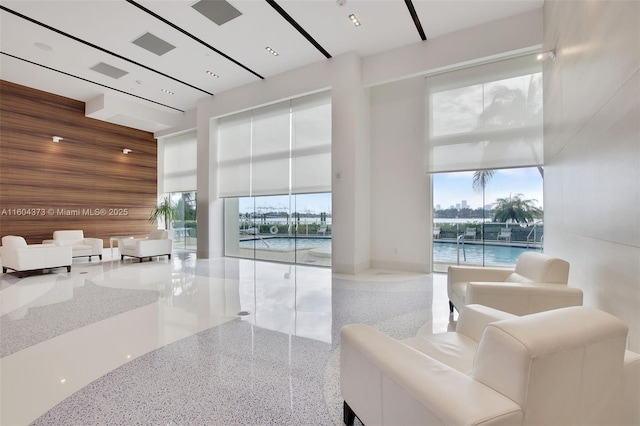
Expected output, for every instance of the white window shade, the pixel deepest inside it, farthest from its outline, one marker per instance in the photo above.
(279, 149)
(311, 144)
(234, 155)
(486, 117)
(180, 163)
(270, 150)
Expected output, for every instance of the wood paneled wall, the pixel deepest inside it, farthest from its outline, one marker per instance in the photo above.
(83, 182)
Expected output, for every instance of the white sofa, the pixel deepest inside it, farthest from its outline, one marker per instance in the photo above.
(561, 367)
(20, 257)
(158, 243)
(537, 283)
(80, 246)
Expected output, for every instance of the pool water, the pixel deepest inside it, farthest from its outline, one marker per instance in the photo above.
(493, 254)
(443, 252)
(285, 243)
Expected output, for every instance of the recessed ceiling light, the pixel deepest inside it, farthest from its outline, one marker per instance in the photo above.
(43, 46)
(212, 74)
(168, 91)
(354, 20)
(270, 50)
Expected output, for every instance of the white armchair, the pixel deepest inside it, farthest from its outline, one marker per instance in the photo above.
(157, 244)
(20, 257)
(537, 283)
(561, 367)
(80, 246)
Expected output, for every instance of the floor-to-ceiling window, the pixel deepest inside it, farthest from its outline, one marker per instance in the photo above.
(274, 174)
(485, 156)
(488, 224)
(184, 223)
(178, 155)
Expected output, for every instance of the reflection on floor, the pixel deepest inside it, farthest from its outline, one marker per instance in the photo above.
(193, 342)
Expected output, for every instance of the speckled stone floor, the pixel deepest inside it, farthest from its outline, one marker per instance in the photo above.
(193, 342)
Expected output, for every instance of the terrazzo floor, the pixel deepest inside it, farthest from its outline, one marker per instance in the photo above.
(193, 342)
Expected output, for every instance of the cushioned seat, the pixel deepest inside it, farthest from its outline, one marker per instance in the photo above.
(81, 246)
(537, 283)
(20, 257)
(458, 348)
(566, 366)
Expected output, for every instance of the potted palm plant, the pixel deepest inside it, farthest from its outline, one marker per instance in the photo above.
(165, 210)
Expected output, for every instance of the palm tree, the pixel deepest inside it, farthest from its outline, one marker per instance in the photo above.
(166, 210)
(481, 178)
(516, 210)
(508, 107)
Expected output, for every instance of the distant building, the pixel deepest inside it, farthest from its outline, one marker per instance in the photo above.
(464, 204)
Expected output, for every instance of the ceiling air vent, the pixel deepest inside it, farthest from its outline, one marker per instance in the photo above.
(109, 70)
(218, 11)
(153, 44)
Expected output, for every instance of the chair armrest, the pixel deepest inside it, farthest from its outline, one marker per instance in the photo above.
(387, 382)
(153, 243)
(463, 274)
(96, 243)
(522, 298)
(631, 389)
(474, 318)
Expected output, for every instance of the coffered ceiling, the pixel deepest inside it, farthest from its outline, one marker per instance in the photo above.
(166, 55)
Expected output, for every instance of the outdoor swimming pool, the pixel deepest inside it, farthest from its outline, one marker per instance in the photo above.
(285, 243)
(443, 252)
(493, 254)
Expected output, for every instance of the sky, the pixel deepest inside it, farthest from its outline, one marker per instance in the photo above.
(450, 189)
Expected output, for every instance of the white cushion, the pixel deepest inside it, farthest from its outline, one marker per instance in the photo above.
(454, 349)
(76, 234)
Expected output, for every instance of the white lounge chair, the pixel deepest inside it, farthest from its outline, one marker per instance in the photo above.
(157, 244)
(505, 234)
(20, 257)
(470, 233)
(436, 232)
(249, 231)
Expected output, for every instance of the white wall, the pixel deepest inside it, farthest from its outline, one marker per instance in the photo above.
(401, 190)
(592, 151)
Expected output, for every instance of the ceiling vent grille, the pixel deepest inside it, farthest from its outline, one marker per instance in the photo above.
(153, 44)
(109, 70)
(218, 11)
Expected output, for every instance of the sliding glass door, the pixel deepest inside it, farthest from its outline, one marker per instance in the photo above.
(274, 172)
(290, 229)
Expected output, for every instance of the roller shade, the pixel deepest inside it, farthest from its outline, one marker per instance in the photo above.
(271, 147)
(486, 117)
(279, 149)
(234, 155)
(311, 145)
(180, 163)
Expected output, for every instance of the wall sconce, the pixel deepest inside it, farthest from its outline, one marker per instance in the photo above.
(546, 55)
(56, 139)
(126, 151)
